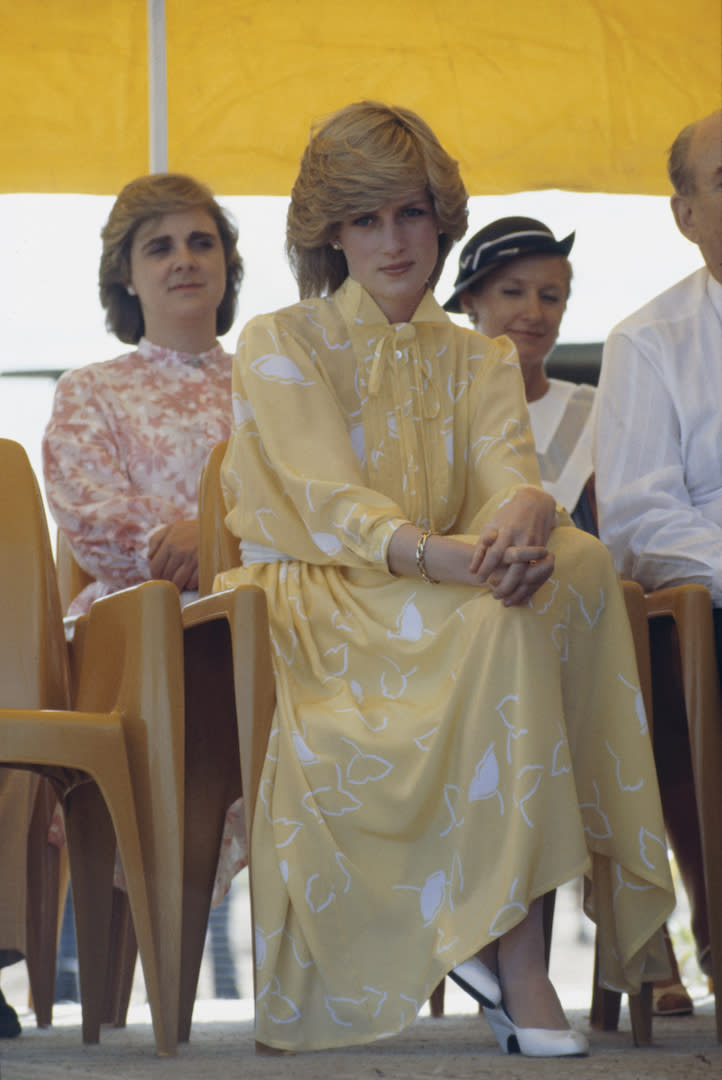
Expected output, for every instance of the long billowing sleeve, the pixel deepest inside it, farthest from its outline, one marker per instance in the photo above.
(300, 487)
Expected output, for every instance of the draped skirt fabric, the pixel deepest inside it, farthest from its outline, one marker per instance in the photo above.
(438, 761)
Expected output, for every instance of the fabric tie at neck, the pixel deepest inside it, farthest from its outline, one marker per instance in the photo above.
(395, 341)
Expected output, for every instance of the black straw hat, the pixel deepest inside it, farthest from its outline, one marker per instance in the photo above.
(497, 243)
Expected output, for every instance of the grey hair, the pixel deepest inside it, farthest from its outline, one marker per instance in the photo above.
(679, 169)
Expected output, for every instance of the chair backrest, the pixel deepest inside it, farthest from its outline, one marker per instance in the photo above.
(252, 663)
(31, 622)
(72, 579)
(218, 546)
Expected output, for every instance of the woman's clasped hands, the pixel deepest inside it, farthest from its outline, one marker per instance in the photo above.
(511, 556)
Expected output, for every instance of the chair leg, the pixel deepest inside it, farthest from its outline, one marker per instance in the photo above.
(43, 888)
(212, 784)
(606, 1007)
(121, 962)
(640, 1013)
(549, 902)
(706, 738)
(691, 612)
(606, 1004)
(91, 848)
(436, 1001)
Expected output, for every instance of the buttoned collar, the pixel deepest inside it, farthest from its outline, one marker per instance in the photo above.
(160, 354)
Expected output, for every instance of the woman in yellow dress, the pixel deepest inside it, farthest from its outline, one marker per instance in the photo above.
(458, 726)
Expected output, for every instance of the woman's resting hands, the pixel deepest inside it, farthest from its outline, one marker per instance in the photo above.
(173, 554)
(510, 557)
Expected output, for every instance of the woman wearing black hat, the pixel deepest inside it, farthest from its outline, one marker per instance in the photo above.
(514, 278)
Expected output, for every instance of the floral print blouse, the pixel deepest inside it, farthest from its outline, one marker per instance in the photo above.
(123, 454)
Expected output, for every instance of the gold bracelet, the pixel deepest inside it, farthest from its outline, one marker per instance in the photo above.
(421, 558)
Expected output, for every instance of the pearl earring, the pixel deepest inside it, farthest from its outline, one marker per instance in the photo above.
(130, 290)
(336, 245)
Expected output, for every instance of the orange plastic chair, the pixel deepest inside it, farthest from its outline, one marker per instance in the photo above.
(683, 656)
(252, 665)
(219, 548)
(683, 645)
(48, 877)
(683, 678)
(48, 872)
(247, 645)
(227, 676)
(606, 1004)
(123, 947)
(47, 882)
(103, 722)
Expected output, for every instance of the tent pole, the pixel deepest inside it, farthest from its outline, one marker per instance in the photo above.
(157, 88)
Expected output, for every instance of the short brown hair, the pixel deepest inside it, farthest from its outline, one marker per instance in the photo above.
(141, 200)
(361, 157)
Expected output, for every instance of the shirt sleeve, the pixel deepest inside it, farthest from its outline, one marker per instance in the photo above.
(646, 517)
(291, 478)
(106, 520)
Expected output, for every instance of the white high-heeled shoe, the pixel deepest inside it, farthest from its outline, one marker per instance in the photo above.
(534, 1042)
(475, 977)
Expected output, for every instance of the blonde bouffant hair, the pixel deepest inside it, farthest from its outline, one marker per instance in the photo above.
(358, 159)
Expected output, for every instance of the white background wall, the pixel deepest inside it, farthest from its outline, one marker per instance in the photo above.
(627, 249)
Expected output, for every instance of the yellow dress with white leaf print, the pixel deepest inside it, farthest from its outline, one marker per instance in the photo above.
(437, 761)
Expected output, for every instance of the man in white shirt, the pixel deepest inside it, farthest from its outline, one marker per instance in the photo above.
(658, 452)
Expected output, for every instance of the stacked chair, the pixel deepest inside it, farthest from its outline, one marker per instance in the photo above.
(103, 723)
(684, 663)
(135, 725)
(684, 681)
(212, 782)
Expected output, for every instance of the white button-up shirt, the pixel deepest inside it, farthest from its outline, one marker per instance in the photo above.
(658, 439)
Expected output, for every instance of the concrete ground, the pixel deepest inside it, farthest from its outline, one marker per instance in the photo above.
(455, 1047)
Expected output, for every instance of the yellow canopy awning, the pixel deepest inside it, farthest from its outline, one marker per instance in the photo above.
(571, 94)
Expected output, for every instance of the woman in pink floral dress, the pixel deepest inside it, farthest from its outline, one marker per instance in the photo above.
(128, 438)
